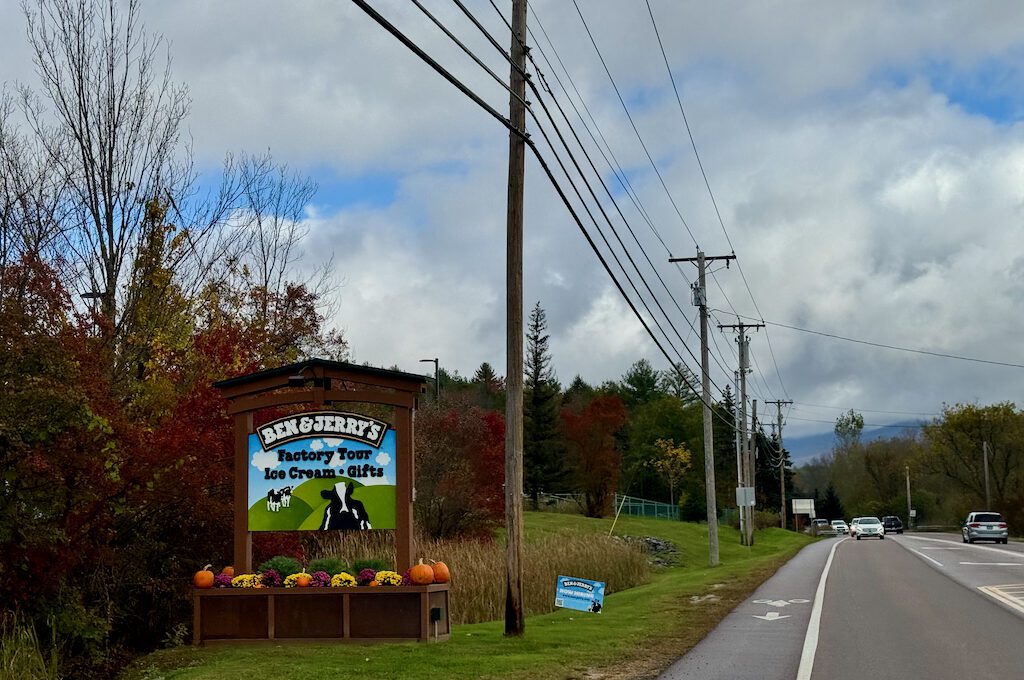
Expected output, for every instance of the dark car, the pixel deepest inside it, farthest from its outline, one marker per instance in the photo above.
(892, 524)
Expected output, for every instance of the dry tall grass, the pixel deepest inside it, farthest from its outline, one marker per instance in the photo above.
(478, 567)
(22, 656)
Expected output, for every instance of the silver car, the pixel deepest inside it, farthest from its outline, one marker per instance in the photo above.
(867, 527)
(985, 526)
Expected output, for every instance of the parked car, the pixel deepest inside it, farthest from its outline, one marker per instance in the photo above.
(867, 527)
(985, 526)
(892, 524)
(839, 525)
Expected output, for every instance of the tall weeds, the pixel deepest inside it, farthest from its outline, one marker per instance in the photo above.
(478, 567)
(21, 655)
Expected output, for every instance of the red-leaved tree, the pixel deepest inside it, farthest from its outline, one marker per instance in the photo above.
(590, 440)
(460, 451)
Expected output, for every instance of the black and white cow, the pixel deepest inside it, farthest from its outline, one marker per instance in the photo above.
(273, 500)
(286, 497)
(343, 511)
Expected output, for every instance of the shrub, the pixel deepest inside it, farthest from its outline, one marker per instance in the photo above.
(282, 564)
(332, 565)
(372, 564)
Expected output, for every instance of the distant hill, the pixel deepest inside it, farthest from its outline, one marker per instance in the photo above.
(803, 449)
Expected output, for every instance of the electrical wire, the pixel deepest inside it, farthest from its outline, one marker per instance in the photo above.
(391, 28)
(625, 108)
(607, 191)
(898, 348)
(711, 193)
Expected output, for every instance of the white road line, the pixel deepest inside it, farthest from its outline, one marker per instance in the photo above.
(814, 625)
(1000, 593)
(926, 557)
(968, 546)
(994, 564)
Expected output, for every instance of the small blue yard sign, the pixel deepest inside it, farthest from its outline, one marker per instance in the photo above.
(579, 594)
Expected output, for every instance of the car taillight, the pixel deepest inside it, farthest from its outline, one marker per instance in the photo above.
(975, 525)
(1001, 525)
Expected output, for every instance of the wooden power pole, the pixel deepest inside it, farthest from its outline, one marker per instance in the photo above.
(782, 463)
(515, 619)
(745, 481)
(700, 299)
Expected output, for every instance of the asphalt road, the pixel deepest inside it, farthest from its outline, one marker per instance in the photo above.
(910, 606)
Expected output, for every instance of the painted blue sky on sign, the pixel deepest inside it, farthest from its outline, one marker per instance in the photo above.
(259, 460)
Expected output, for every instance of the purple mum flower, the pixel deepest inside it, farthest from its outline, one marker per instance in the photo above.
(271, 579)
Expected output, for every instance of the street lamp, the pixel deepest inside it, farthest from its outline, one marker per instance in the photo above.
(437, 383)
(92, 297)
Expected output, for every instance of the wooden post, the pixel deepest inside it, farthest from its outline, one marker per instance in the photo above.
(515, 620)
(243, 539)
(404, 476)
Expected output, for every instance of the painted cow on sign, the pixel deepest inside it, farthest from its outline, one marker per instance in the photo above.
(274, 500)
(343, 511)
(286, 497)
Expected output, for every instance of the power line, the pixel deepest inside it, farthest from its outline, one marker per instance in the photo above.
(616, 167)
(711, 193)
(633, 124)
(941, 355)
(611, 197)
(547, 170)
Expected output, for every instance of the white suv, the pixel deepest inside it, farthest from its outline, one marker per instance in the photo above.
(867, 527)
(985, 526)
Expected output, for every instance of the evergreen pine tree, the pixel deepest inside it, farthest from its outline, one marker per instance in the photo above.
(488, 387)
(544, 464)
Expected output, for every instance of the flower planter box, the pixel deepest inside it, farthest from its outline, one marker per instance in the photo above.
(356, 614)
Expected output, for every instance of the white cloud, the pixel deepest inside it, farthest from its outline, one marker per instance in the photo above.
(383, 459)
(862, 195)
(265, 459)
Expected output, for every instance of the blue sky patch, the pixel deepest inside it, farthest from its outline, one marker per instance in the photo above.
(991, 88)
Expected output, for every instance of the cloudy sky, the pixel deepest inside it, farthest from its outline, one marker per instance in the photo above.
(867, 160)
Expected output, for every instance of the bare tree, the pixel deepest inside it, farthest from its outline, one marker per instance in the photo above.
(109, 182)
(117, 125)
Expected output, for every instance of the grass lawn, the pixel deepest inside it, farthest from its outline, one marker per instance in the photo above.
(640, 631)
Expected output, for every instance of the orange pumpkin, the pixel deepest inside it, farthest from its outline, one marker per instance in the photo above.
(374, 583)
(228, 571)
(421, 574)
(302, 580)
(441, 573)
(203, 578)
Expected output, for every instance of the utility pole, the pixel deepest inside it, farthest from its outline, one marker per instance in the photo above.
(782, 462)
(752, 469)
(745, 482)
(739, 450)
(988, 496)
(910, 520)
(515, 619)
(700, 300)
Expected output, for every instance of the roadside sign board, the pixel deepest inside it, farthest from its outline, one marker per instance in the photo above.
(745, 496)
(803, 506)
(579, 593)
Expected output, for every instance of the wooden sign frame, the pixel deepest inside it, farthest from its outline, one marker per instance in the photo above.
(319, 383)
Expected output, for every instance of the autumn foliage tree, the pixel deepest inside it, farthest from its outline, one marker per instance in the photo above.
(460, 459)
(589, 433)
